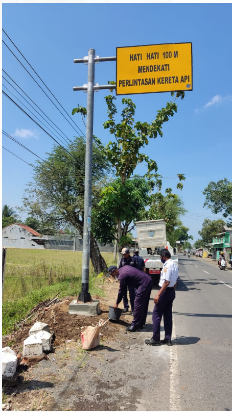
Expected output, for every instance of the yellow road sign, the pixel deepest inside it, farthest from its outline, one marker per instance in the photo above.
(154, 68)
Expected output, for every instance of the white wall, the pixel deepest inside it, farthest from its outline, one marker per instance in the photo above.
(18, 237)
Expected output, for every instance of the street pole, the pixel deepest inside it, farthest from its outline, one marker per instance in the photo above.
(90, 87)
(84, 295)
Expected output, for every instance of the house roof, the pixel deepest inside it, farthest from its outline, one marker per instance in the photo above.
(29, 229)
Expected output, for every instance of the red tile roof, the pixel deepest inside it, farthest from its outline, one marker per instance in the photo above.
(29, 229)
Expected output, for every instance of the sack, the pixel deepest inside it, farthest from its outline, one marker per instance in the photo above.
(90, 336)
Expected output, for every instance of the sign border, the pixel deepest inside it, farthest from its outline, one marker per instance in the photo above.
(157, 44)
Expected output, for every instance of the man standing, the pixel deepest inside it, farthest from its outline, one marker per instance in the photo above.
(130, 276)
(128, 260)
(163, 300)
(140, 260)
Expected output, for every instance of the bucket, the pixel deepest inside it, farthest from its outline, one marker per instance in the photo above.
(114, 314)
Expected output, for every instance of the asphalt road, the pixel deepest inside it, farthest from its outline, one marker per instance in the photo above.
(203, 330)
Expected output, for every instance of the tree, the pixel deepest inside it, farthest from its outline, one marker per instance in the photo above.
(210, 228)
(219, 197)
(168, 207)
(179, 234)
(134, 194)
(187, 245)
(9, 216)
(199, 244)
(33, 223)
(124, 153)
(57, 194)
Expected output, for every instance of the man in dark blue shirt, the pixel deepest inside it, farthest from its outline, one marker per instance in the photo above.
(140, 260)
(130, 276)
(128, 260)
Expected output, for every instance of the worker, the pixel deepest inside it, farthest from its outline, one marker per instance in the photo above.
(140, 260)
(163, 300)
(128, 260)
(130, 276)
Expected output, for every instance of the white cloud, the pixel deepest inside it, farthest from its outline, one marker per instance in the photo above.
(216, 100)
(25, 133)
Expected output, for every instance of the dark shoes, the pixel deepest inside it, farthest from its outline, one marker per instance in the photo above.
(152, 342)
(131, 328)
(125, 310)
(167, 342)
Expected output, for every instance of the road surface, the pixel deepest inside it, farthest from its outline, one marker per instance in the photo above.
(203, 328)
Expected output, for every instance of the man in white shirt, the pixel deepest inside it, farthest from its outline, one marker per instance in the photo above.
(163, 300)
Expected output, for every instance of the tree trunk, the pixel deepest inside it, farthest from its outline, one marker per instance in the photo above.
(97, 259)
(118, 238)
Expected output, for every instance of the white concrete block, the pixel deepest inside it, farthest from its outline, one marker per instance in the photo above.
(46, 338)
(39, 326)
(9, 363)
(32, 346)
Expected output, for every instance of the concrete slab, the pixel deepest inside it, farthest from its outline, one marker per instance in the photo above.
(32, 346)
(84, 309)
(9, 362)
(38, 327)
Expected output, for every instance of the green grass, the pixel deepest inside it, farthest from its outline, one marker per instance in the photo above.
(32, 276)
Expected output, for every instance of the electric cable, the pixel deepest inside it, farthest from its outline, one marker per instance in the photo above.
(16, 141)
(41, 79)
(17, 156)
(32, 102)
(31, 112)
(37, 123)
(55, 131)
(40, 86)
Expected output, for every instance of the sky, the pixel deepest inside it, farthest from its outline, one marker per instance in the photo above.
(196, 141)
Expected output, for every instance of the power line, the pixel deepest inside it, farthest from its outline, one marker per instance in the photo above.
(17, 156)
(41, 79)
(34, 108)
(36, 123)
(41, 88)
(31, 112)
(16, 141)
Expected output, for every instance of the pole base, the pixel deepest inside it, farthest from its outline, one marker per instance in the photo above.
(84, 296)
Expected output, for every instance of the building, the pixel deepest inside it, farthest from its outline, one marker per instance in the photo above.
(18, 235)
(21, 236)
(222, 242)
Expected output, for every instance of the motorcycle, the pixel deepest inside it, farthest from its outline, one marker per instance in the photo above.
(189, 255)
(222, 265)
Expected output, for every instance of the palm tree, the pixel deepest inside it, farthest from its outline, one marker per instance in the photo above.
(7, 211)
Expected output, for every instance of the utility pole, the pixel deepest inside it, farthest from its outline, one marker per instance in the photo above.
(90, 87)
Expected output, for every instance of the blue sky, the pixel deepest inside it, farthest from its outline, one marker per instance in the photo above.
(196, 141)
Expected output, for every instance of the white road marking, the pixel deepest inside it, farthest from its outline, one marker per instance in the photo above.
(206, 272)
(196, 266)
(225, 284)
(174, 375)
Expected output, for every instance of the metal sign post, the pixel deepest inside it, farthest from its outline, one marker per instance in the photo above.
(90, 87)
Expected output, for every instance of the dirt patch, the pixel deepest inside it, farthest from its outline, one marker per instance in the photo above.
(65, 327)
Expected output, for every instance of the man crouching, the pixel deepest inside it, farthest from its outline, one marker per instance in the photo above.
(130, 276)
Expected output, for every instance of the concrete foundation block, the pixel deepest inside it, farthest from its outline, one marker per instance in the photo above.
(32, 346)
(46, 338)
(38, 327)
(9, 363)
(84, 309)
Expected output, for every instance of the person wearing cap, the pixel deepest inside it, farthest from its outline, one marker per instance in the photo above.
(127, 259)
(131, 276)
(163, 300)
(140, 260)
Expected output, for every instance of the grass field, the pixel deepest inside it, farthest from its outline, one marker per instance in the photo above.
(32, 276)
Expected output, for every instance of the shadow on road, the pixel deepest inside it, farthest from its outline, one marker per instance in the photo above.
(203, 315)
(185, 340)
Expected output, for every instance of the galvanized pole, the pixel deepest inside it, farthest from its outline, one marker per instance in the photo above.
(90, 88)
(84, 295)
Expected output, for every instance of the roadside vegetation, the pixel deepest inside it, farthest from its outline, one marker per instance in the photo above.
(32, 276)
